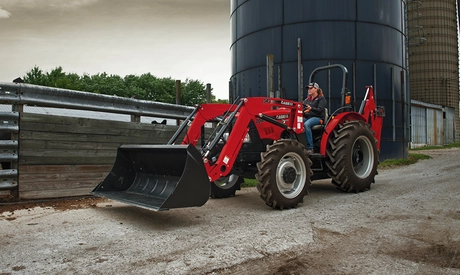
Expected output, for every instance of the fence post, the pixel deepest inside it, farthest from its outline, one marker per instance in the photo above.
(178, 84)
(208, 93)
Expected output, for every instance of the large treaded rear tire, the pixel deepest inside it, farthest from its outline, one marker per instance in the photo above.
(284, 174)
(226, 187)
(352, 156)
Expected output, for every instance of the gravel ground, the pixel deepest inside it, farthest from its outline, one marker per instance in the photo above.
(408, 223)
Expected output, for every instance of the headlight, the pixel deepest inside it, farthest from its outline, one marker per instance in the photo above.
(247, 138)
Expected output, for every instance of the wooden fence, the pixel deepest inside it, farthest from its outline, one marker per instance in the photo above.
(59, 156)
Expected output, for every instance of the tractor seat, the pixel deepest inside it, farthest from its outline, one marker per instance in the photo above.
(320, 127)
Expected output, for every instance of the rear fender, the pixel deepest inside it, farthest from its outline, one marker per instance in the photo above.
(373, 114)
(332, 124)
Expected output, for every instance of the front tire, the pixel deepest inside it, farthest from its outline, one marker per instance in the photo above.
(226, 187)
(352, 156)
(284, 174)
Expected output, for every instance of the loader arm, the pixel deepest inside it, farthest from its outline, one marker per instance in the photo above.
(203, 113)
(272, 117)
(223, 165)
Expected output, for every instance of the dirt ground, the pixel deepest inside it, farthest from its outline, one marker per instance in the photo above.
(408, 223)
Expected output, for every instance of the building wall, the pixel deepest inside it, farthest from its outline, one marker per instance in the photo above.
(433, 53)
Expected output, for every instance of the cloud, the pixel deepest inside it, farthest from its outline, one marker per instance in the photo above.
(4, 13)
(46, 4)
(72, 4)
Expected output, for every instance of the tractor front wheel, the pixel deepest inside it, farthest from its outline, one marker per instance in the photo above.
(226, 187)
(284, 174)
(352, 156)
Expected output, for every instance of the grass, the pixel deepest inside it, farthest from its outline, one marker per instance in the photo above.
(411, 159)
(453, 145)
(388, 163)
(414, 157)
(249, 183)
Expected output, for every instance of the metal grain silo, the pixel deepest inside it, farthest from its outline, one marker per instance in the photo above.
(366, 36)
(433, 54)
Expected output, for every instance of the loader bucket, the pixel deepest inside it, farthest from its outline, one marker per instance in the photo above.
(157, 177)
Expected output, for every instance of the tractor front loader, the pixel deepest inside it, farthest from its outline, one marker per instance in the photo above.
(255, 137)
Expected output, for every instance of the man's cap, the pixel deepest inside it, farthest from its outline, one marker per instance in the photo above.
(313, 84)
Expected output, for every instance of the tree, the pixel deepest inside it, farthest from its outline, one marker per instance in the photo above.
(220, 101)
(35, 76)
(146, 86)
(193, 92)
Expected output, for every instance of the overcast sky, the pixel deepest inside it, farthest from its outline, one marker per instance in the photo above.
(168, 38)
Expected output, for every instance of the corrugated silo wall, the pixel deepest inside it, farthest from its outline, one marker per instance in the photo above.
(433, 54)
(365, 36)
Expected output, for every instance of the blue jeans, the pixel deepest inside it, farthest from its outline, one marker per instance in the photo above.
(308, 123)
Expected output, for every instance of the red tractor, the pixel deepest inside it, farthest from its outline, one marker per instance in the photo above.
(255, 137)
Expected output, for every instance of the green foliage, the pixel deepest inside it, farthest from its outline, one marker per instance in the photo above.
(220, 101)
(145, 86)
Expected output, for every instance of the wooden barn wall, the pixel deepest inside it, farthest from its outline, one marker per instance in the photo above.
(67, 156)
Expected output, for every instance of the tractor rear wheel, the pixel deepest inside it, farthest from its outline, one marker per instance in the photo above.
(352, 156)
(226, 187)
(284, 174)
